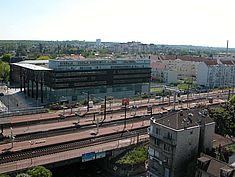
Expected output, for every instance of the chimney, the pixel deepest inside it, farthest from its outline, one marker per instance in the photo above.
(227, 171)
(227, 49)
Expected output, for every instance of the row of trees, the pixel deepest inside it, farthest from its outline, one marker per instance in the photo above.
(38, 171)
(224, 118)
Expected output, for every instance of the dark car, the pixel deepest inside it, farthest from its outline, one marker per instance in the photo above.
(1, 94)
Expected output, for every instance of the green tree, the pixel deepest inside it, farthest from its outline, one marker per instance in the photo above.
(23, 175)
(4, 175)
(232, 100)
(39, 171)
(7, 57)
(135, 156)
(43, 58)
(224, 118)
(4, 71)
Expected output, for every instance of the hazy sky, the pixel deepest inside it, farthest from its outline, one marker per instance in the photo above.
(195, 22)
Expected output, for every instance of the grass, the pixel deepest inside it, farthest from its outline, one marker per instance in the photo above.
(156, 90)
(183, 86)
(232, 148)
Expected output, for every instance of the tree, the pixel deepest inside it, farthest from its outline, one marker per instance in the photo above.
(6, 58)
(4, 175)
(23, 175)
(39, 171)
(232, 100)
(4, 71)
(224, 118)
(43, 58)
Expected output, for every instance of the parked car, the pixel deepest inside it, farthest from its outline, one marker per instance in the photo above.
(158, 97)
(1, 94)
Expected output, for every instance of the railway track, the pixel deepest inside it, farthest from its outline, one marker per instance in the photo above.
(57, 148)
(90, 114)
(74, 129)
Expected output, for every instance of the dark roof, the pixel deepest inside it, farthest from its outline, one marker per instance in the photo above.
(184, 119)
(227, 62)
(211, 62)
(215, 166)
(219, 140)
(184, 58)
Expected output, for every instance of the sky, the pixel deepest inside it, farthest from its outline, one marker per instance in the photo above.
(177, 22)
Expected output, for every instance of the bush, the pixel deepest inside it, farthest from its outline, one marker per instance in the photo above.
(23, 175)
(136, 156)
(4, 175)
(39, 171)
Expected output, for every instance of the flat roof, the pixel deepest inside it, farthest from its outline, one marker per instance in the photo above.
(35, 62)
(183, 119)
(32, 67)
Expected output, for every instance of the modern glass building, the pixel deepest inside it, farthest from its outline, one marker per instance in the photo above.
(71, 79)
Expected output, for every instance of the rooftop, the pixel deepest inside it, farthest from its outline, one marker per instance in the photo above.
(184, 119)
(31, 66)
(215, 166)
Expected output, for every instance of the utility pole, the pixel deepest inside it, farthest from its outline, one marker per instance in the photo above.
(125, 117)
(229, 92)
(104, 107)
(88, 101)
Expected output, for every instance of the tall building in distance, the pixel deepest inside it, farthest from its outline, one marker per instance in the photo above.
(98, 42)
(175, 139)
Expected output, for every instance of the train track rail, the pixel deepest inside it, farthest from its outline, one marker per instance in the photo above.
(74, 129)
(89, 114)
(67, 146)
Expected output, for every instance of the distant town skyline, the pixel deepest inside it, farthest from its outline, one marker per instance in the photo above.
(181, 22)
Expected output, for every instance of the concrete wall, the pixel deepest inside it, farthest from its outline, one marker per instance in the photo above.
(208, 136)
(187, 147)
(202, 74)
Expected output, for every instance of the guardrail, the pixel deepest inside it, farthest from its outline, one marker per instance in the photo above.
(22, 112)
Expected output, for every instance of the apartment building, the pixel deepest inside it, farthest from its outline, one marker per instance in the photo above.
(216, 73)
(170, 68)
(210, 167)
(176, 138)
(206, 72)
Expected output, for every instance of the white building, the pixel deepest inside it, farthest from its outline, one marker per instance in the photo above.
(216, 73)
(181, 66)
(175, 139)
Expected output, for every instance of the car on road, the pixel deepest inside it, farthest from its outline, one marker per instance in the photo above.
(1, 94)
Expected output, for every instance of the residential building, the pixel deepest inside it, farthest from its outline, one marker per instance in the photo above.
(210, 167)
(176, 138)
(73, 78)
(182, 67)
(216, 73)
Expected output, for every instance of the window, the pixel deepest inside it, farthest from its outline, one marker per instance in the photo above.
(157, 142)
(157, 131)
(167, 147)
(169, 136)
